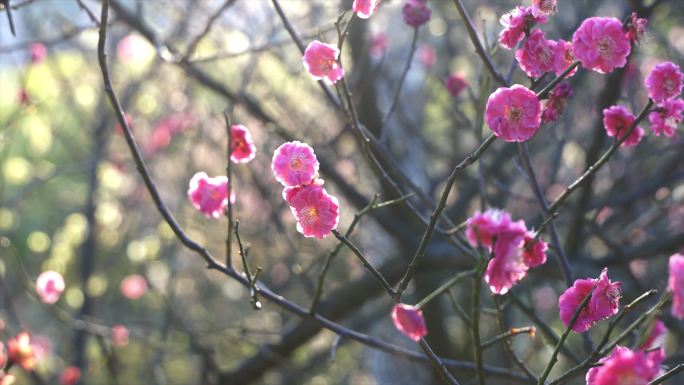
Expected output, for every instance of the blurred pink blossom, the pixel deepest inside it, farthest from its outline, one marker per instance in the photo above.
(637, 28)
(625, 367)
(666, 117)
(601, 44)
(119, 335)
(70, 376)
(656, 336)
(49, 286)
(379, 44)
(481, 228)
(409, 320)
(513, 114)
(37, 53)
(617, 120)
(427, 56)
(563, 57)
(129, 48)
(320, 60)
(133, 286)
(416, 13)
(604, 301)
(676, 284)
(556, 102)
(664, 82)
(167, 128)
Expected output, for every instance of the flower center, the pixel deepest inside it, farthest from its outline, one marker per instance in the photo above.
(327, 64)
(514, 114)
(308, 215)
(605, 46)
(296, 163)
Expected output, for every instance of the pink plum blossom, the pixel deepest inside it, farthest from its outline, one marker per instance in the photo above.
(617, 120)
(516, 23)
(209, 195)
(636, 29)
(556, 102)
(119, 335)
(166, 129)
(600, 44)
(317, 212)
(664, 82)
(455, 84)
(563, 57)
(409, 320)
(543, 7)
(133, 286)
(676, 284)
(365, 8)
(625, 367)
(37, 53)
(294, 164)
(603, 303)
(513, 114)
(242, 148)
(656, 336)
(481, 228)
(537, 55)
(507, 266)
(427, 56)
(666, 117)
(378, 46)
(50, 286)
(320, 60)
(416, 13)
(70, 376)
(3, 355)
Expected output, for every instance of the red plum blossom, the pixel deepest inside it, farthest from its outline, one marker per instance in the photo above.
(320, 60)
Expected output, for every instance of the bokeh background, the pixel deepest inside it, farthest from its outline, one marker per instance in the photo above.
(72, 201)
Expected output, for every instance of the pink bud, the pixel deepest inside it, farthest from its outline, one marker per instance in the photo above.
(409, 320)
(49, 286)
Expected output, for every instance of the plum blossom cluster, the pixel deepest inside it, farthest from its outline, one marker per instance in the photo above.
(210, 195)
(603, 303)
(295, 167)
(664, 85)
(409, 320)
(514, 248)
(539, 55)
(321, 61)
(513, 113)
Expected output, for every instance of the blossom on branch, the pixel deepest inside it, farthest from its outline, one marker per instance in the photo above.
(365, 8)
(242, 148)
(537, 55)
(70, 376)
(666, 117)
(513, 114)
(516, 23)
(321, 61)
(664, 82)
(210, 195)
(636, 28)
(600, 44)
(603, 303)
(50, 286)
(316, 211)
(617, 120)
(455, 84)
(133, 286)
(294, 163)
(409, 320)
(676, 284)
(625, 367)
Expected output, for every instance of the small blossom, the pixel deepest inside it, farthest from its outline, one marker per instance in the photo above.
(563, 57)
(601, 44)
(365, 8)
(513, 114)
(664, 82)
(409, 320)
(119, 335)
(617, 120)
(294, 164)
(320, 60)
(209, 195)
(537, 55)
(556, 102)
(604, 301)
(133, 286)
(37, 53)
(20, 351)
(379, 44)
(656, 336)
(507, 266)
(676, 284)
(666, 117)
(166, 129)
(636, 29)
(416, 13)
(131, 49)
(543, 7)
(50, 286)
(534, 251)
(70, 376)
(427, 56)
(625, 367)
(317, 212)
(455, 84)
(242, 148)
(516, 23)
(481, 228)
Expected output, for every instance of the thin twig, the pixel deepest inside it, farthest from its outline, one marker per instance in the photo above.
(445, 287)
(475, 324)
(441, 368)
(531, 330)
(229, 207)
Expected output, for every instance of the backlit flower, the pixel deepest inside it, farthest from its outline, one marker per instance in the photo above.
(603, 303)
(601, 44)
(416, 13)
(317, 212)
(365, 8)
(481, 228)
(516, 23)
(513, 114)
(537, 55)
(543, 7)
(378, 46)
(242, 148)
(320, 60)
(656, 336)
(49, 286)
(20, 352)
(409, 320)
(617, 121)
(210, 195)
(455, 84)
(676, 284)
(664, 82)
(294, 164)
(625, 367)
(666, 117)
(133, 286)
